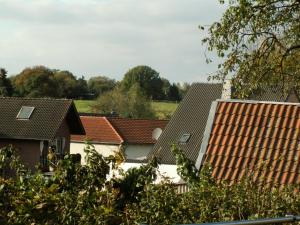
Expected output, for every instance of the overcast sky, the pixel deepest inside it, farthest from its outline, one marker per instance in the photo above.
(107, 37)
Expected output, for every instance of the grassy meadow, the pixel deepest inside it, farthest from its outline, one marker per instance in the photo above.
(84, 106)
(163, 110)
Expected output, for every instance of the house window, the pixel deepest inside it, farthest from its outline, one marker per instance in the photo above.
(184, 138)
(25, 112)
(60, 145)
(44, 152)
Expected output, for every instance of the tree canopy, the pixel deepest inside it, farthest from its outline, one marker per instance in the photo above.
(36, 81)
(260, 41)
(40, 81)
(66, 84)
(132, 103)
(5, 84)
(147, 78)
(100, 84)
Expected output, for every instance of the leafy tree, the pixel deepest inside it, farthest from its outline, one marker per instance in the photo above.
(100, 84)
(66, 84)
(147, 78)
(183, 88)
(138, 104)
(5, 84)
(173, 93)
(165, 87)
(40, 81)
(260, 41)
(36, 81)
(82, 194)
(111, 101)
(81, 90)
(133, 103)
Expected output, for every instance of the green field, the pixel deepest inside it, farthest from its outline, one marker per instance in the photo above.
(83, 105)
(163, 110)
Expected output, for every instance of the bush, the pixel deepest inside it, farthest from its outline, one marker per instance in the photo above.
(79, 194)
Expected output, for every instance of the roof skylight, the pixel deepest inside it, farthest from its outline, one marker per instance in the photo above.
(25, 112)
(184, 138)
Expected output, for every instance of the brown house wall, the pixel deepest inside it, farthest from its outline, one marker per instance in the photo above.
(29, 150)
(64, 131)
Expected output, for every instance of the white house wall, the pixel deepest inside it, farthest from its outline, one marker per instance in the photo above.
(138, 152)
(164, 170)
(132, 152)
(103, 149)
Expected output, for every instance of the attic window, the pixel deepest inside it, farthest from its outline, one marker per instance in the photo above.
(25, 112)
(184, 138)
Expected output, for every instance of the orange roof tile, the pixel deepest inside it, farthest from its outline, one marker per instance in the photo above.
(98, 129)
(258, 137)
(137, 131)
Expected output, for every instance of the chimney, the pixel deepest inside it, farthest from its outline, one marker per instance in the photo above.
(226, 92)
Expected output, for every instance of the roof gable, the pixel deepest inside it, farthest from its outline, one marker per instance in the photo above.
(190, 118)
(245, 135)
(98, 130)
(118, 130)
(137, 131)
(43, 122)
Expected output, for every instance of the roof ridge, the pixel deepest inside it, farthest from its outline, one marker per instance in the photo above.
(113, 128)
(207, 83)
(257, 102)
(44, 98)
(96, 117)
(119, 118)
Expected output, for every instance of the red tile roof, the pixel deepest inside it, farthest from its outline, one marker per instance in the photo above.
(137, 131)
(118, 130)
(260, 137)
(98, 129)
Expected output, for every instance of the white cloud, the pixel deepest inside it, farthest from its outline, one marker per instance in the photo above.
(107, 36)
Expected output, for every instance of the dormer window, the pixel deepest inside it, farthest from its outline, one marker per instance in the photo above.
(25, 113)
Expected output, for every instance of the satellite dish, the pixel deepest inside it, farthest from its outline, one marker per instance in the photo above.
(156, 133)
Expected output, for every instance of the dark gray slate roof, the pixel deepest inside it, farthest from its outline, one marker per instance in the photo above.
(274, 94)
(189, 118)
(44, 121)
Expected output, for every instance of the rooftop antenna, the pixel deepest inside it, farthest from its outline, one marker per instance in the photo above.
(156, 133)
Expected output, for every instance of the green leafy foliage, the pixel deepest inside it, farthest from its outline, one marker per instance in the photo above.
(100, 84)
(147, 78)
(35, 82)
(260, 43)
(132, 103)
(185, 167)
(40, 81)
(5, 84)
(66, 84)
(78, 194)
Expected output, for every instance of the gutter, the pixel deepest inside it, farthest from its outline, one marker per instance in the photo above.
(279, 220)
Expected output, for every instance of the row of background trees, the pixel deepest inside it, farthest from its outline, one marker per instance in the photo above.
(40, 81)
